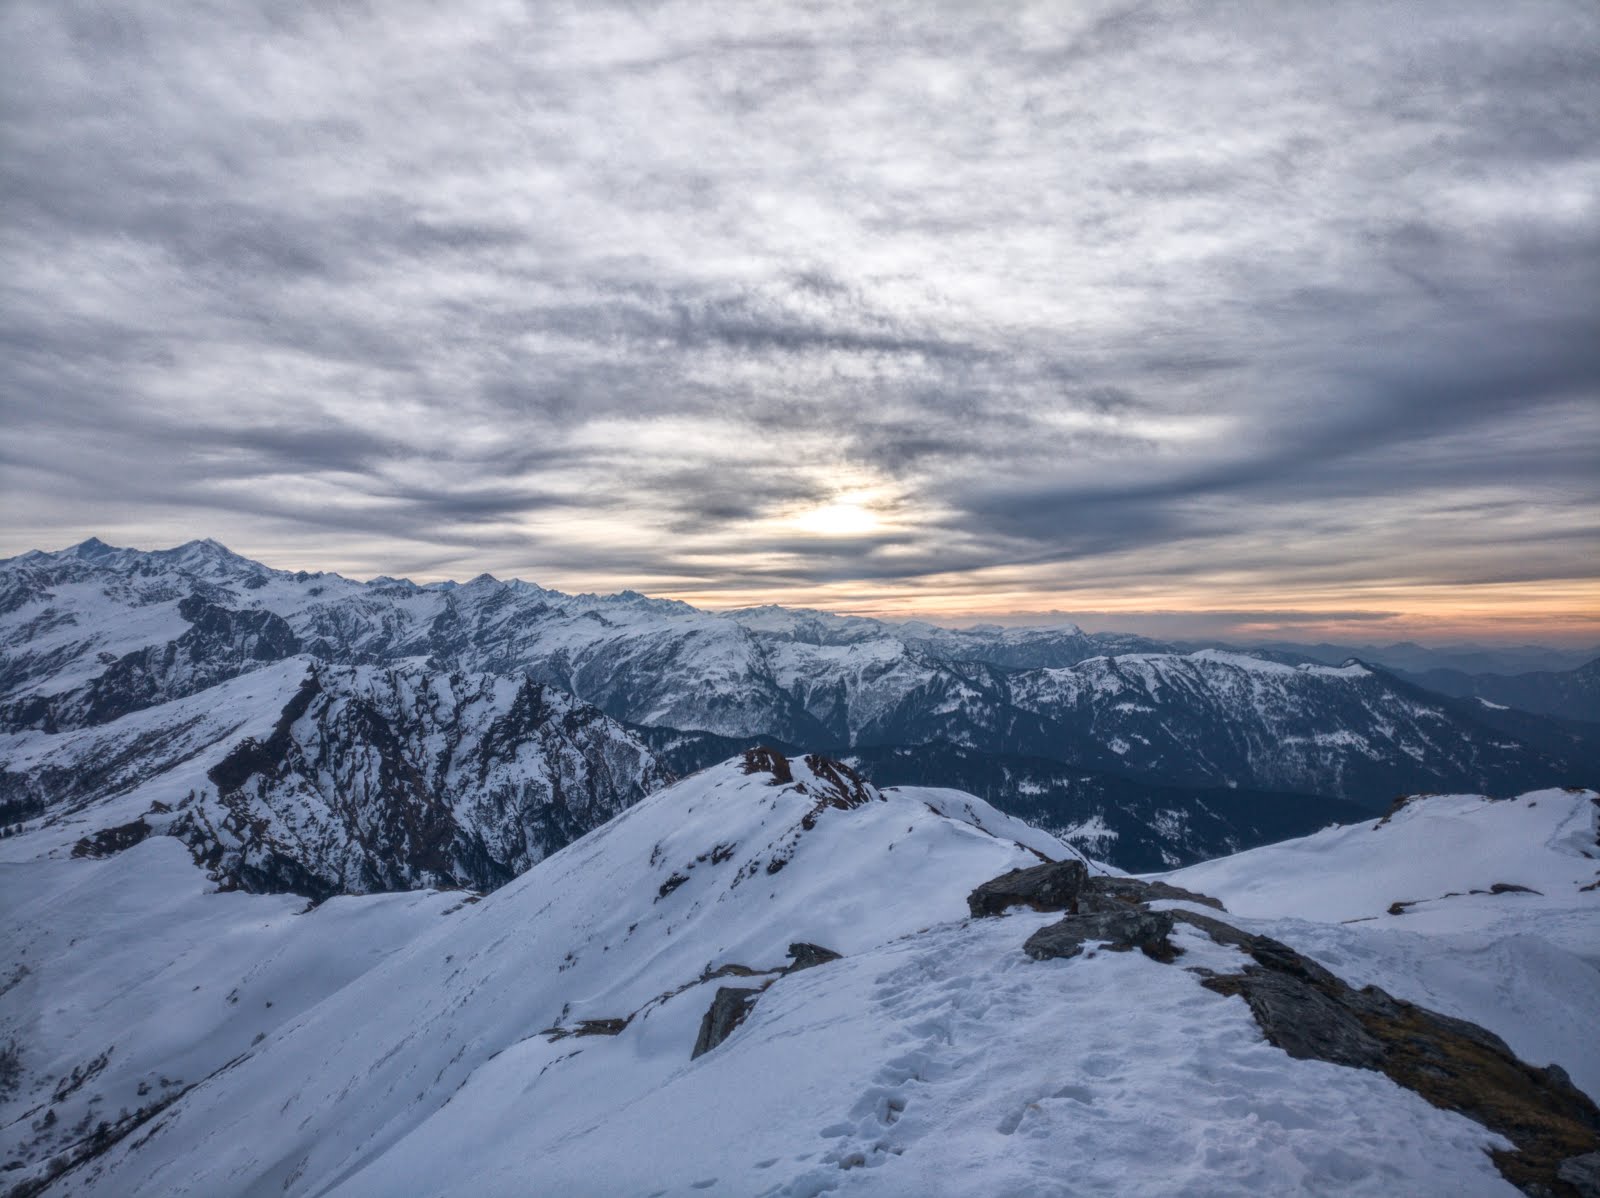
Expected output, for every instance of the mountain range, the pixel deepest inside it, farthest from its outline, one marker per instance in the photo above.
(310, 733)
(311, 886)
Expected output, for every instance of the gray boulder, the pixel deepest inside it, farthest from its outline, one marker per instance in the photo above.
(1582, 1173)
(727, 1011)
(1121, 931)
(1135, 890)
(804, 956)
(1050, 887)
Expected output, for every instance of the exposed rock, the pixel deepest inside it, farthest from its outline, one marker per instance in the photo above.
(1308, 1012)
(1051, 887)
(834, 785)
(844, 788)
(588, 1027)
(1512, 888)
(1136, 890)
(1120, 930)
(1396, 807)
(599, 1027)
(108, 841)
(1067, 886)
(1301, 1019)
(1582, 1173)
(727, 1011)
(804, 956)
(762, 760)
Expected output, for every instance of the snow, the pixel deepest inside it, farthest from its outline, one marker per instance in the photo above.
(1430, 847)
(405, 1048)
(138, 958)
(1526, 966)
(942, 1064)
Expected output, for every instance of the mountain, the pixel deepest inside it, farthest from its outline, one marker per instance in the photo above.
(1348, 731)
(316, 779)
(768, 979)
(92, 631)
(1411, 658)
(1568, 694)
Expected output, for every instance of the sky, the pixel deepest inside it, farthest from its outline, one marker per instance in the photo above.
(1280, 317)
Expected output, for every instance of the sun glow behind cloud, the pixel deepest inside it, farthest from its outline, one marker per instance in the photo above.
(1106, 306)
(840, 518)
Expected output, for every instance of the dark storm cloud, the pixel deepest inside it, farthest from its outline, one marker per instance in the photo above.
(1102, 292)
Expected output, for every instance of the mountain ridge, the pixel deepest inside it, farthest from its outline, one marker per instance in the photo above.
(1209, 717)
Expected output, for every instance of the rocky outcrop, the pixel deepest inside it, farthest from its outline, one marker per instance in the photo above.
(1136, 890)
(1054, 886)
(805, 956)
(764, 760)
(1067, 886)
(1582, 1173)
(1119, 931)
(732, 1004)
(109, 841)
(727, 1011)
(1310, 1013)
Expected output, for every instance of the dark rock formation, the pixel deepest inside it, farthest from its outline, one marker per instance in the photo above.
(727, 1011)
(1051, 887)
(1121, 931)
(1135, 890)
(1067, 886)
(842, 786)
(1582, 1173)
(804, 956)
(109, 841)
(762, 760)
(1458, 1066)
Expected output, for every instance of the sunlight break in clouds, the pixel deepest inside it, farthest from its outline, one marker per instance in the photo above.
(1137, 307)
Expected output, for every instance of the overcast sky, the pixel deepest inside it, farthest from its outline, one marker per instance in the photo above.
(1278, 308)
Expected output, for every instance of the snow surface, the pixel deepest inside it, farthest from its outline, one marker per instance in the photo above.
(1526, 966)
(406, 1048)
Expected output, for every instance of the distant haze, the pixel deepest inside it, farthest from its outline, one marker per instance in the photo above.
(1242, 320)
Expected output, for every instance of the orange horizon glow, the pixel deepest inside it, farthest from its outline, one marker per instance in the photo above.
(1565, 611)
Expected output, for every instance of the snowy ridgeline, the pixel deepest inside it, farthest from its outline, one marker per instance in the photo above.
(174, 1040)
(91, 634)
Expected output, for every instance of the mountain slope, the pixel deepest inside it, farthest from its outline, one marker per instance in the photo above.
(1226, 719)
(1570, 694)
(541, 1040)
(320, 780)
(1410, 902)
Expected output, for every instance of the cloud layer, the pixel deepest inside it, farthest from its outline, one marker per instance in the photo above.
(1272, 306)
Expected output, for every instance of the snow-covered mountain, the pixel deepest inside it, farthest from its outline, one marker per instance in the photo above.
(92, 632)
(319, 779)
(768, 979)
(1228, 719)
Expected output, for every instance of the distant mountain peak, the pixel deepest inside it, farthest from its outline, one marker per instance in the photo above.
(91, 549)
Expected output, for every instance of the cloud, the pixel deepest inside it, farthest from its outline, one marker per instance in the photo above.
(1094, 295)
